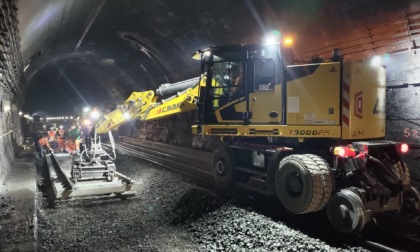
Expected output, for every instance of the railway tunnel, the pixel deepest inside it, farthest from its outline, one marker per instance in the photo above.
(58, 57)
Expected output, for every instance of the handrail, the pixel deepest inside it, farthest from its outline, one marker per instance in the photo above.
(10, 131)
(7, 133)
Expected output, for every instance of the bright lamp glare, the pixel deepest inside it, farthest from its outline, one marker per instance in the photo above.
(404, 148)
(270, 39)
(86, 109)
(126, 116)
(375, 61)
(288, 41)
(87, 122)
(95, 114)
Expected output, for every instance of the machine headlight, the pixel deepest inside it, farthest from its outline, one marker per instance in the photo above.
(87, 122)
(376, 61)
(95, 114)
(126, 115)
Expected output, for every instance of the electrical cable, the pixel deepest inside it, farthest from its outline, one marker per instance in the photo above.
(98, 9)
(406, 120)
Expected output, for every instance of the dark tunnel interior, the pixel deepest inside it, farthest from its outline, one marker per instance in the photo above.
(263, 110)
(114, 48)
(79, 53)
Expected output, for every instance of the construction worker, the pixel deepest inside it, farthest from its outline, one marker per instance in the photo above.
(235, 81)
(79, 138)
(51, 134)
(74, 135)
(36, 129)
(61, 138)
(52, 139)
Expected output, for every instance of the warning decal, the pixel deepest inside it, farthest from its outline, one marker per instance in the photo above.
(333, 70)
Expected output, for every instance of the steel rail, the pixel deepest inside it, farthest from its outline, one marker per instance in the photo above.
(167, 161)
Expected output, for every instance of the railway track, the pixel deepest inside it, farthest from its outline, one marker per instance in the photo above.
(390, 236)
(200, 171)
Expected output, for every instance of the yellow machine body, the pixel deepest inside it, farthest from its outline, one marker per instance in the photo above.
(146, 106)
(364, 86)
(326, 100)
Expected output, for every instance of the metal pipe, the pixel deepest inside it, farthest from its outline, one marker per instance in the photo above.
(10, 131)
(167, 88)
(380, 246)
(7, 133)
(123, 177)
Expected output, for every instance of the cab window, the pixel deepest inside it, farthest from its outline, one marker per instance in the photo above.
(263, 74)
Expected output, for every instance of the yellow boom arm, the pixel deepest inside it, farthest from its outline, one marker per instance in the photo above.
(145, 106)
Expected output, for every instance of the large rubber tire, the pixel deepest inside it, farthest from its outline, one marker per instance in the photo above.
(399, 168)
(304, 183)
(223, 166)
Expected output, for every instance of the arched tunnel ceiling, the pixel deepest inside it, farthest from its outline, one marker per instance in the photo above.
(81, 53)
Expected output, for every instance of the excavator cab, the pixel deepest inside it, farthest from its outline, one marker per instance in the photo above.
(247, 78)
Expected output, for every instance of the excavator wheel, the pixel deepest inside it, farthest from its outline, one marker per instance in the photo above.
(303, 183)
(346, 212)
(410, 212)
(223, 166)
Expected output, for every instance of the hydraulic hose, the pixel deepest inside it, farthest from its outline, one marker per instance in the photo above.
(390, 175)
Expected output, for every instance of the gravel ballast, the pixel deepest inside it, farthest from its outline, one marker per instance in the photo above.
(170, 213)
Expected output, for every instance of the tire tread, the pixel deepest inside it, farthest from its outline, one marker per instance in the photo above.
(321, 178)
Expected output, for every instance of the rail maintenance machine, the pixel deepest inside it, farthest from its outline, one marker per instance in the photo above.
(313, 133)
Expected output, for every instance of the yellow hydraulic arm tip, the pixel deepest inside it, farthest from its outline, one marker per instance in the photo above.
(110, 121)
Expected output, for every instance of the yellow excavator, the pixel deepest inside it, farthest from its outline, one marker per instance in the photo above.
(313, 133)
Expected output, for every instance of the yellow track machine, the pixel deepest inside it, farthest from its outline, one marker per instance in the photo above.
(313, 133)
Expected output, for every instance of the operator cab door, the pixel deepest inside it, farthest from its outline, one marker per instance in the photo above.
(246, 86)
(225, 99)
(264, 85)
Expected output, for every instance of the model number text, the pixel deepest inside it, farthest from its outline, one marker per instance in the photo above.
(309, 132)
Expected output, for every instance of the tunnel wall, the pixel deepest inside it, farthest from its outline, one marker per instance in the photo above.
(403, 98)
(11, 86)
(403, 106)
